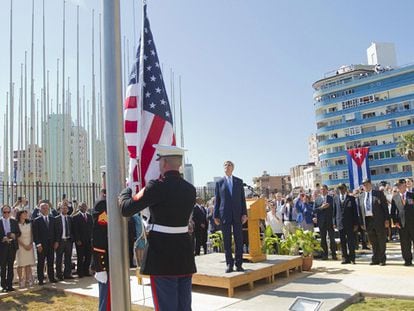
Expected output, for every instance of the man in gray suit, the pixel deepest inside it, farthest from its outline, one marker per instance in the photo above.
(375, 217)
(402, 212)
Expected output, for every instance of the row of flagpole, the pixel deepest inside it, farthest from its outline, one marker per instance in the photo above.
(34, 128)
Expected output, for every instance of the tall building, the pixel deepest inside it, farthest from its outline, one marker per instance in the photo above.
(267, 184)
(313, 149)
(364, 105)
(189, 173)
(306, 176)
(28, 164)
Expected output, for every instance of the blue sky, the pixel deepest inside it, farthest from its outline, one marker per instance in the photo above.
(247, 67)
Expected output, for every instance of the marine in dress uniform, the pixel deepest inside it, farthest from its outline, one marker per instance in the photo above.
(169, 255)
(100, 252)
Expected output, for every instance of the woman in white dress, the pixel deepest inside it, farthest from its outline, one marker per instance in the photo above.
(25, 254)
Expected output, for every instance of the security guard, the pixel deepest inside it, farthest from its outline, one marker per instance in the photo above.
(100, 251)
(169, 254)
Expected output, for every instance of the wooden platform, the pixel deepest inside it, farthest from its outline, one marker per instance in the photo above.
(210, 271)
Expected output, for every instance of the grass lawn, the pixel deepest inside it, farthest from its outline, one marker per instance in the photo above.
(47, 299)
(379, 304)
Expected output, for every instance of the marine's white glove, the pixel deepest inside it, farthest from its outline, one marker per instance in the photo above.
(101, 277)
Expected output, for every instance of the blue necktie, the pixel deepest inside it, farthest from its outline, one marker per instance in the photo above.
(229, 183)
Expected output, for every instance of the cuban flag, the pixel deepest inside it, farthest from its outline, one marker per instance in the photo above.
(358, 166)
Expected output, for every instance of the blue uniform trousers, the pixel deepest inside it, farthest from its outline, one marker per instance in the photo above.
(104, 301)
(171, 293)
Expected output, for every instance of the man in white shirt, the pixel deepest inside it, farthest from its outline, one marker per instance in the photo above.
(64, 242)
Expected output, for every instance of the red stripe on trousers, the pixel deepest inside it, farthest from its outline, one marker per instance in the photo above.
(153, 137)
(154, 293)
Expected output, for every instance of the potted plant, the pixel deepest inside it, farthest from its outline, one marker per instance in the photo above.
(216, 239)
(270, 242)
(301, 242)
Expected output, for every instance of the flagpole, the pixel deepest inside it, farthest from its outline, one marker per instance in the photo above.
(32, 107)
(117, 233)
(77, 97)
(11, 94)
(63, 155)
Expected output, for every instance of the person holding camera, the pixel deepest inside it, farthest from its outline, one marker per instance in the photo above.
(9, 232)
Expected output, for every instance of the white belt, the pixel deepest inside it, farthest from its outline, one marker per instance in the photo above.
(167, 229)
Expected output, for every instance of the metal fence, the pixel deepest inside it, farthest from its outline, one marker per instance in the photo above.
(54, 192)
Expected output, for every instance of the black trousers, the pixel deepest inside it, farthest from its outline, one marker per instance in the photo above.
(6, 266)
(347, 237)
(323, 231)
(83, 254)
(64, 251)
(48, 254)
(407, 238)
(200, 241)
(363, 234)
(377, 237)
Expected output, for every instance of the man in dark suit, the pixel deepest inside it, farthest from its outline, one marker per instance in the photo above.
(63, 242)
(376, 218)
(402, 213)
(230, 210)
(200, 226)
(9, 232)
(345, 217)
(44, 238)
(324, 216)
(82, 233)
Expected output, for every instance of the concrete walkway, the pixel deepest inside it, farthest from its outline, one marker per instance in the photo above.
(335, 284)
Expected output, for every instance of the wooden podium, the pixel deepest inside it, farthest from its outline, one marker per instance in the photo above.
(256, 210)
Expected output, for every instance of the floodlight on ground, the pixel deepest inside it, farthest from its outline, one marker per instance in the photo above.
(305, 304)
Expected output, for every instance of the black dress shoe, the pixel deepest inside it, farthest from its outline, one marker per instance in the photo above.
(373, 263)
(69, 277)
(10, 289)
(344, 261)
(229, 269)
(408, 263)
(334, 257)
(240, 269)
(3, 290)
(382, 263)
(60, 278)
(53, 281)
(87, 274)
(41, 282)
(353, 262)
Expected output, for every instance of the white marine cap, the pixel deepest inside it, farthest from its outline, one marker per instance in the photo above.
(168, 151)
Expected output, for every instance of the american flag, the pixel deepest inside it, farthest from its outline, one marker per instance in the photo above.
(148, 120)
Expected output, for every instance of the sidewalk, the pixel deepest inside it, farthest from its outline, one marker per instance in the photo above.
(335, 284)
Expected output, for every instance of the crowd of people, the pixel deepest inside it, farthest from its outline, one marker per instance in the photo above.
(47, 237)
(366, 218)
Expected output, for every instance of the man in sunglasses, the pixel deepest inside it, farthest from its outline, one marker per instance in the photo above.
(9, 232)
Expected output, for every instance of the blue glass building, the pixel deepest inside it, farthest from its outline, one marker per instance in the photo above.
(364, 105)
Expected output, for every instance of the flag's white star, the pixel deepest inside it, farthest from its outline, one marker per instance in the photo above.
(153, 78)
(146, 30)
(163, 102)
(152, 52)
(167, 114)
(157, 65)
(149, 68)
(358, 155)
(145, 57)
(152, 105)
(148, 94)
(158, 90)
(149, 41)
(144, 84)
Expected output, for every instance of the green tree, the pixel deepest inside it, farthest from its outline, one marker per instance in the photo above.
(406, 146)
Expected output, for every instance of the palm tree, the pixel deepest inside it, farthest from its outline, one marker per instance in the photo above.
(406, 146)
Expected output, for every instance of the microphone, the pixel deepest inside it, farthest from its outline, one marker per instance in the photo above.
(251, 189)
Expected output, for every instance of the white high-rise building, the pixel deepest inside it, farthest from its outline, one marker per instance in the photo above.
(189, 173)
(313, 149)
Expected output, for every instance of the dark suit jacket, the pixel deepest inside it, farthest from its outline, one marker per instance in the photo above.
(379, 208)
(59, 228)
(345, 215)
(199, 218)
(14, 228)
(43, 234)
(398, 209)
(324, 215)
(230, 207)
(82, 230)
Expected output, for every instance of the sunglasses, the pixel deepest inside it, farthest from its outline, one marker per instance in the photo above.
(6, 212)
